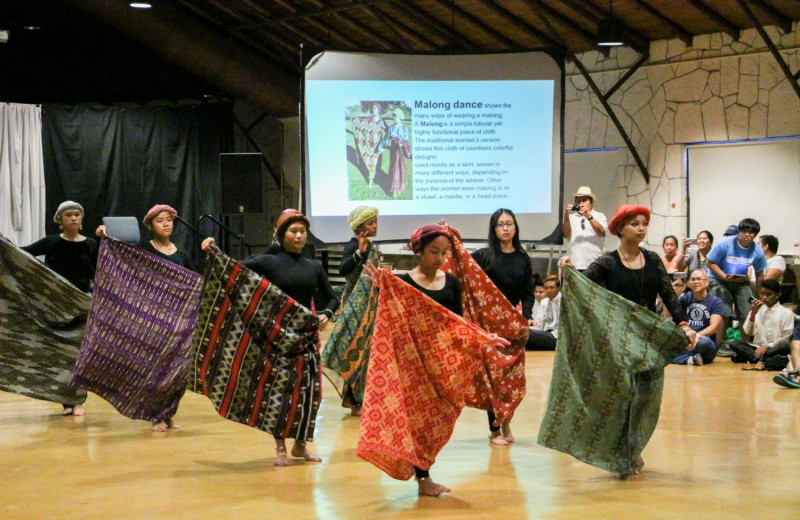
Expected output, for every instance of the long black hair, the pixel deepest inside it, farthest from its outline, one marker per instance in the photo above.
(495, 247)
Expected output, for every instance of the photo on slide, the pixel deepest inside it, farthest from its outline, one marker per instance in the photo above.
(379, 165)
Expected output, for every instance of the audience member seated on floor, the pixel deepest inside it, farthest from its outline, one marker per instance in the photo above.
(670, 256)
(790, 377)
(776, 265)
(537, 314)
(694, 256)
(679, 284)
(770, 324)
(545, 339)
(728, 261)
(704, 311)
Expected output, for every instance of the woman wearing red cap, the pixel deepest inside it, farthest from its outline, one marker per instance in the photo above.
(636, 274)
(300, 278)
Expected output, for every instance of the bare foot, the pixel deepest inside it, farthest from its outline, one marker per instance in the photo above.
(507, 435)
(281, 458)
(172, 425)
(496, 439)
(355, 411)
(159, 427)
(636, 467)
(300, 451)
(78, 410)
(68, 411)
(429, 488)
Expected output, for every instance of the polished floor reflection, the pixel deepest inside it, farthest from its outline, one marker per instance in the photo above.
(727, 446)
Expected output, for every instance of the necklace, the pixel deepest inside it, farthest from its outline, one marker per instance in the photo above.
(637, 280)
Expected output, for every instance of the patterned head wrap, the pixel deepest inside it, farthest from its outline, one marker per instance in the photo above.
(622, 215)
(156, 210)
(64, 206)
(425, 232)
(360, 215)
(285, 219)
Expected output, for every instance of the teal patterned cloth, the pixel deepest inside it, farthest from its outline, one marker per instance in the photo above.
(347, 349)
(42, 317)
(608, 375)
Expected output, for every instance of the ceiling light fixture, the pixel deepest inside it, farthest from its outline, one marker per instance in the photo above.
(610, 32)
(141, 5)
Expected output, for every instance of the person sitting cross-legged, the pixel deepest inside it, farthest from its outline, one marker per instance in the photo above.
(545, 339)
(770, 324)
(790, 378)
(704, 311)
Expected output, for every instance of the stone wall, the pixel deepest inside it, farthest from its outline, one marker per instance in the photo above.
(716, 90)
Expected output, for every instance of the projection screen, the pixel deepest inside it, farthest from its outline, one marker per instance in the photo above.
(424, 138)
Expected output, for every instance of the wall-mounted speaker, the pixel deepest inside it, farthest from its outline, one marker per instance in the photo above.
(241, 183)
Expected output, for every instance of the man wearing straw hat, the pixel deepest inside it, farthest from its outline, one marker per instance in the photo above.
(585, 229)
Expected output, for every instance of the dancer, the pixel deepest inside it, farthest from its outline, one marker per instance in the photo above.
(71, 255)
(638, 276)
(298, 277)
(509, 268)
(347, 349)
(429, 415)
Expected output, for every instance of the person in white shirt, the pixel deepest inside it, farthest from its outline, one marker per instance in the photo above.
(585, 228)
(776, 265)
(770, 324)
(545, 339)
(537, 313)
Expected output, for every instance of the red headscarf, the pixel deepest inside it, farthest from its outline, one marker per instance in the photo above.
(428, 230)
(625, 212)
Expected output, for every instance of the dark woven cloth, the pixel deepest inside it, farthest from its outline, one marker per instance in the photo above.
(608, 375)
(255, 352)
(42, 317)
(135, 352)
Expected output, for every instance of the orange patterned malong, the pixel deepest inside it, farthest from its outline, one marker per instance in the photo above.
(487, 307)
(424, 365)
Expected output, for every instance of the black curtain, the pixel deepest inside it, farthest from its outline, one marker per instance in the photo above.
(121, 161)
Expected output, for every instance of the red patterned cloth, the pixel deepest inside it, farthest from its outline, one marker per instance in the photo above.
(501, 387)
(422, 368)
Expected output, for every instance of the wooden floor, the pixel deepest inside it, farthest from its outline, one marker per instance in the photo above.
(727, 446)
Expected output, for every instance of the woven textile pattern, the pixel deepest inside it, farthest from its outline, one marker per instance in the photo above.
(500, 385)
(608, 375)
(368, 133)
(347, 349)
(422, 362)
(135, 352)
(255, 353)
(42, 317)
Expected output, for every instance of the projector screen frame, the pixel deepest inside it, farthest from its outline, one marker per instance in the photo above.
(555, 237)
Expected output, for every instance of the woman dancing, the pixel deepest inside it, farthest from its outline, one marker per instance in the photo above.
(637, 275)
(431, 245)
(71, 255)
(509, 268)
(299, 277)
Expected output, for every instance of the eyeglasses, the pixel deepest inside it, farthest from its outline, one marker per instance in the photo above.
(748, 230)
(504, 225)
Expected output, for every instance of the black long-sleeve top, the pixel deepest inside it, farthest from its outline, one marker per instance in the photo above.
(448, 296)
(297, 276)
(351, 260)
(75, 261)
(179, 257)
(513, 275)
(637, 285)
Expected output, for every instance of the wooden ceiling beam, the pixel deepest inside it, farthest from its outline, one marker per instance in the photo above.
(679, 31)
(784, 23)
(594, 15)
(473, 20)
(385, 13)
(726, 25)
(519, 23)
(432, 24)
(577, 30)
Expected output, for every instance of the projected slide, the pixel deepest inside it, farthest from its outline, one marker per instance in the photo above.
(430, 148)
(443, 141)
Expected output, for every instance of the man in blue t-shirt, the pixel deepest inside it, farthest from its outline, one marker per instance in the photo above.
(728, 261)
(790, 378)
(704, 312)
